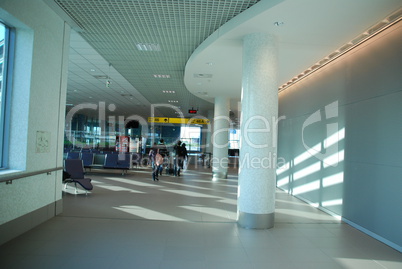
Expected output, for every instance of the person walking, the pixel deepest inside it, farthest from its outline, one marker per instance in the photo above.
(185, 156)
(156, 160)
(164, 153)
(181, 154)
(177, 149)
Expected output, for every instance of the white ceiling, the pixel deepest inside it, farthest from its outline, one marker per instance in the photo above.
(107, 31)
(309, 31)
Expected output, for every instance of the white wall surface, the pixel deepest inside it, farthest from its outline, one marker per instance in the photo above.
(38, 105)
(365, 186)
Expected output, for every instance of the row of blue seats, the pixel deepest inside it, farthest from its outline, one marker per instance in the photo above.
(123, 161)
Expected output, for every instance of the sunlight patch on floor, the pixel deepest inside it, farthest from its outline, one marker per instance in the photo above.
(147, 213)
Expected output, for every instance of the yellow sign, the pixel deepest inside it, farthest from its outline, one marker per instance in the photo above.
(158, 119)
(178, 120)
(188, 121)
(198, 121)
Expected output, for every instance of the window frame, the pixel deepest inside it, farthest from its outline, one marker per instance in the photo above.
(5, 107)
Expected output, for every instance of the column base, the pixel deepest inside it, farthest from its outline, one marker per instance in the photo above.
(222, 175)
(256, 221)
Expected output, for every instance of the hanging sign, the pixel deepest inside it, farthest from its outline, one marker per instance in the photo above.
(178, 120)
(158, 119)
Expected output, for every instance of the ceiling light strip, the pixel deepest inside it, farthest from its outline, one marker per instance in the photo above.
(376, 29)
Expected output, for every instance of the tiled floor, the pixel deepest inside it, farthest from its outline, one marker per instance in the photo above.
(187, 222)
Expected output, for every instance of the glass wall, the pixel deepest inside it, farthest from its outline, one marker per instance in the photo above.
(234, 139)
(192, 137)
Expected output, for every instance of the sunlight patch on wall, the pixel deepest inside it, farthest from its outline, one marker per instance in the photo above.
(334, 159)
(283, 169)
(332, 180)
(283, 181)
(332, 202)
(307, 171)
(306, 155)
(335, 138)
(312, 186)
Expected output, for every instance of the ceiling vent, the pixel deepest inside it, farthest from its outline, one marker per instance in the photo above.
(101, 77)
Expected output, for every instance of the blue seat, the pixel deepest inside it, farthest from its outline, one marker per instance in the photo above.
(136, 159)
(73, 155)
(124, 160)
(118, 161)
(87, 159)
(110, 161)
(99, 161)
(76, 174)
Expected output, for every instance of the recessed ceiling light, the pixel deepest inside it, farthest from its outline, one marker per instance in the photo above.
(161, 76)
(148, 47)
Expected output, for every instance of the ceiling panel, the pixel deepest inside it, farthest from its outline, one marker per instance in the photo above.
(112, 29)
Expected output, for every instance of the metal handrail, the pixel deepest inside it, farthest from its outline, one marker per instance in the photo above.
(9, 178)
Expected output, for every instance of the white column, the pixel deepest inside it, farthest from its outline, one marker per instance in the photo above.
(208, 142)
(257, 173)
(220, 138)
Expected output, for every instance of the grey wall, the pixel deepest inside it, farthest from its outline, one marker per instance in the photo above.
(363, 182)
(38, 105)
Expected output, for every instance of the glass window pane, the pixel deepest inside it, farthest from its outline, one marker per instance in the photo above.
(192, 137)
(3, 87)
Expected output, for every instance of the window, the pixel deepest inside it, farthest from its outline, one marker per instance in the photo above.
(234, 139)
(4, 92)
(192, 137)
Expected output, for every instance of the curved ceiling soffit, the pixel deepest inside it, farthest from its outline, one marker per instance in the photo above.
(209, 61)
(311, 32)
